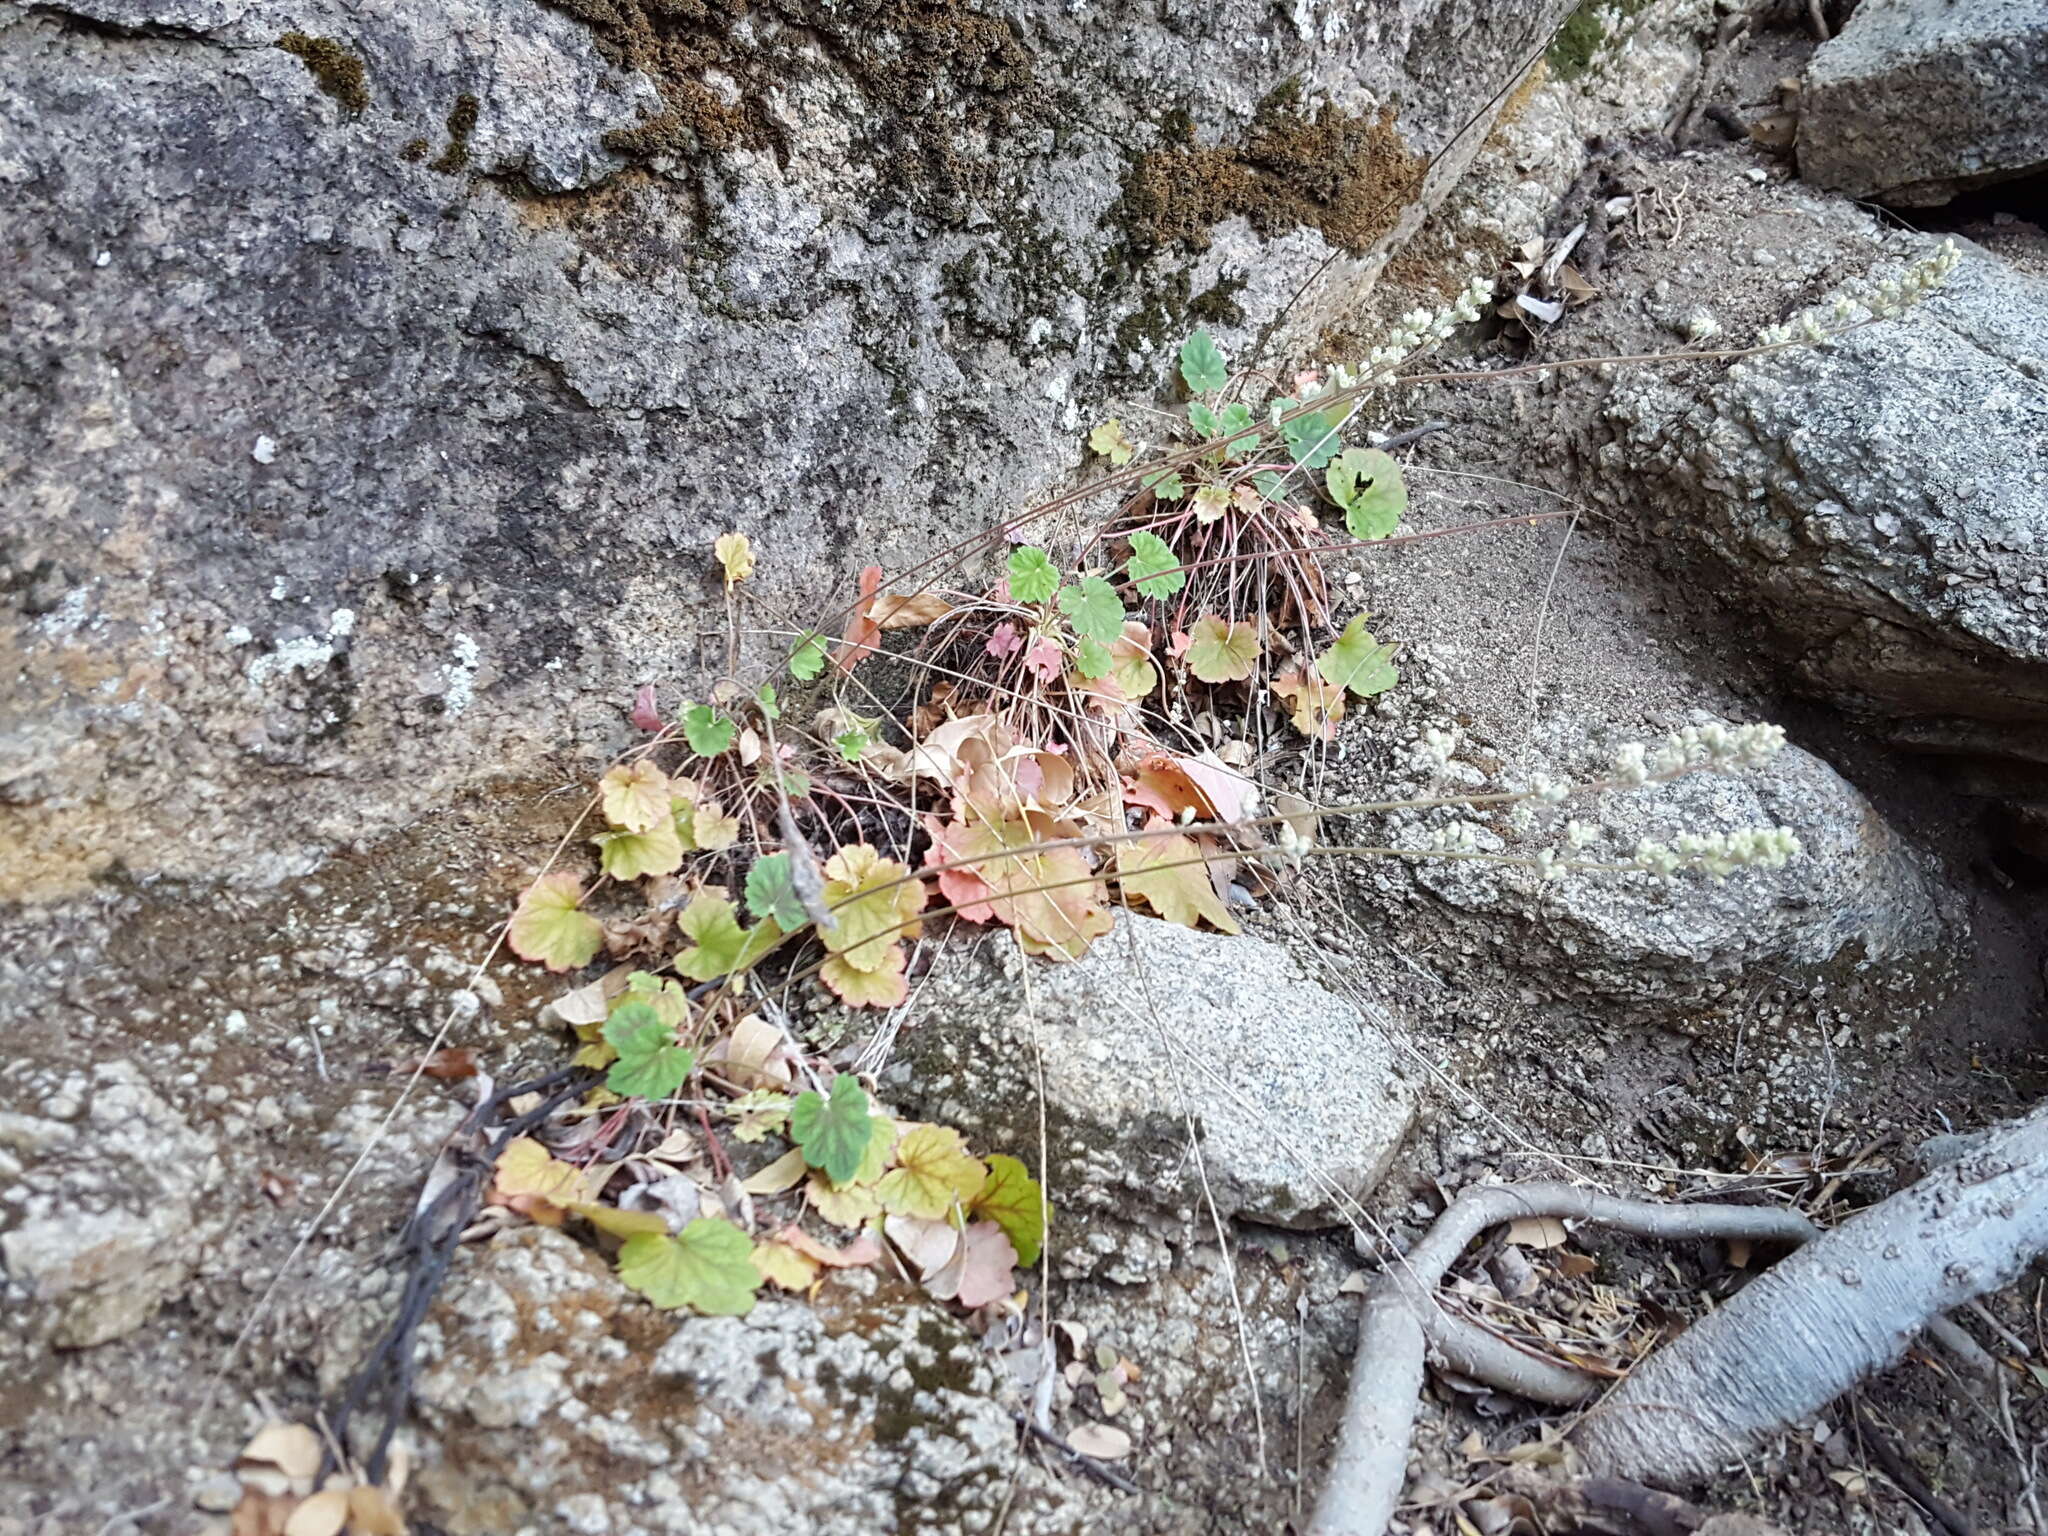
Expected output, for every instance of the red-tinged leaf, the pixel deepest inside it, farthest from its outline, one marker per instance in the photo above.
(1047, 896)
(1044, 661)
(1177, 645)
(987, 1266)
(646, 716)
(450, 1066)
(1316, 704)
(860, 629)
(1005, 641)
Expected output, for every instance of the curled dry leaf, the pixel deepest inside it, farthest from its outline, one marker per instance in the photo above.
(863, 1250)
(785, 1173)
(292, 1449)
(1537, 1232)
(1101, 1442)
(911, 611)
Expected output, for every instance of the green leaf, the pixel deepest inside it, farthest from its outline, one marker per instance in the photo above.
(933, 1169)
(833, 1132)
(1093, 659)
(1237, 417)
(707, 731)
(768, 702)
(1153, 567)
(1033, 577)
(851, 744)
(1312, 439)
(1013, 1201)
(550, 926)
(651, 1065)
(1220, 652)
(807, 660)
(1203, 420)
(709, 1268)
(1166, 484)
(1270, 485)
(1093, 608)
(718, 944)
(1201, 363)
(1367, 484)
(662, 993)
(1359, 662)
(771, 892)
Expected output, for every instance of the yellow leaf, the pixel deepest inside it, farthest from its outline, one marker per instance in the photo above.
(1317, 704)
(609, 1218)
(1168, 874)
(874, 902)
(736, 554)
(324, 1514)
(636, 796)
(852, 1206)
(713, 830)
(784, 1266)
(933, 1170)
(884, 987)
(536, 1184)
(629, 855)
(786, 1172)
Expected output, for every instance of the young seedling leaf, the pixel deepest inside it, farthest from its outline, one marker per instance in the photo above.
(771, 892)
(736, 554)
(1202, 365)
(635, 796)
(1312, 438)
(1211, 502)
(1204, 420)
(1109, 441)
(1359, 662)
(807, 659)
(707, 731)
(851, 745)
(650, 1064)
(630, 855)
(709, 1268)
(1033, 577)
(1093, 608)
(711, 829)
(1154, 569)
(1237, 417)
(1220, 652)
(834, 1132)
(771, 704)
(1013, 1201)
(1367, 484)
(933, 1169)
(550, 926)
(1167, 874)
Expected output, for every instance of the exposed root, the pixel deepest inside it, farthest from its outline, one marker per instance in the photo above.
(1401, 1322)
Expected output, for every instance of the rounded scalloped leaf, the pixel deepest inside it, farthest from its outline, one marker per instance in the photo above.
(550, 926)
(708, 1267)
(1222, 653)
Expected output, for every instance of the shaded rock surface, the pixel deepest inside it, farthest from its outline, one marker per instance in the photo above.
(1884, 505)
(1917, 100)
(1159, 1041)
(376, 379)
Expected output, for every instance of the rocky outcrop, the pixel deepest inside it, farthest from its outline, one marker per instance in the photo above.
(1918, 100)
(1160, 1042)
(376, 378)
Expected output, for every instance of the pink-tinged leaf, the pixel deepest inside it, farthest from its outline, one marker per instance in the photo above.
(986, 1267)
(1044, 661)
(860, 629)
(1005, 641)
(645, 716)
(928, 1244)
(863, 1250)
(1177, 644)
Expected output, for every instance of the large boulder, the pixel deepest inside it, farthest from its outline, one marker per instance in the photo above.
(376, 377)
(1918, 100)
(1884, 503)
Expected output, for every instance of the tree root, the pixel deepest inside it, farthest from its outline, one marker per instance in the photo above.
(1402, 1322)
(1847, 1304)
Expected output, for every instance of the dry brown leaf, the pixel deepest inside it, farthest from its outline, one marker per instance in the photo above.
(373, 1512)
(862, 1250)
(291, 1448)
(1575, 1266)
(1103, 1442)
(261, 1514)
(910, 611)
(1739, 1249)
(1537, 1232)
(1355, 1284)
(785, 1173)
(324, 1514)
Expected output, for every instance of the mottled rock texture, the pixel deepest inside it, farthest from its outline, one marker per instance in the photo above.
(375, 376)
(1918, 100)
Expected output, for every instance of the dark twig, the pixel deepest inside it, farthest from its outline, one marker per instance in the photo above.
(427, 1246)
(1414, 435)
(1911, 1483)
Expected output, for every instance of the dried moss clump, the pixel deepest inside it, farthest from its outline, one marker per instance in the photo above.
(461, 124)
(1347, 176)
(336, 71)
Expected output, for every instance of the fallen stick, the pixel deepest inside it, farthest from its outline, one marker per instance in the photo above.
(1401, 1321)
